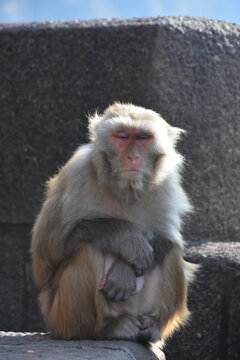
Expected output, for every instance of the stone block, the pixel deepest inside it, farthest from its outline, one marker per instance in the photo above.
(187, 69)
(19, 346)
(213, 327)
(18, 302)
(13, 248)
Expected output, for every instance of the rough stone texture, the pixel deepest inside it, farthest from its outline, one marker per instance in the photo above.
(52, 74)
(13, 250)
(188, 69)
(19, 346)
(18, 300)
(213, 329)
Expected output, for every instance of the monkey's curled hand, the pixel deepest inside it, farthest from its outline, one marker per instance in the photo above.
(119, 237)
(140, 256)
(120, 281)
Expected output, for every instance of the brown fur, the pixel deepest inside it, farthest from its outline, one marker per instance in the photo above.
(74, 308)
(71, 303)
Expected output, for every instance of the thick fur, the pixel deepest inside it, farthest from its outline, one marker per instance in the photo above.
(74, 308)
(91, 212)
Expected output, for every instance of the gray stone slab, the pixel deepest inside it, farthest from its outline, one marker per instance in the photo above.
(20, 346)
(18, 301)
(188, 69)
(13, 249)
(233, 321)
(213, 328)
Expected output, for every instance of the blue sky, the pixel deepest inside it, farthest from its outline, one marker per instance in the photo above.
(39, 10)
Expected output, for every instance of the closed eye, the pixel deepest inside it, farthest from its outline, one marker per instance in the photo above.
(122, 135)
(143, 137)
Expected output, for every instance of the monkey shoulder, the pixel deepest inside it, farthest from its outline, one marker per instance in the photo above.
(74, 187)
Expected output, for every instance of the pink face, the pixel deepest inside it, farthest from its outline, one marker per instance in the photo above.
(132, 145)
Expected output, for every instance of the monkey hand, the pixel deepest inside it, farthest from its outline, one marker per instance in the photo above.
(120, 282)
(142, 257)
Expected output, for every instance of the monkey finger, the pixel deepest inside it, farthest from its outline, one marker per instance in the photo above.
(143, 264)
(110, 295)
(120, 296)
(139, 271)
(146, 322)
(109, 292)
(107, 288)
(145, 335)
(125, 294)
(148, 331)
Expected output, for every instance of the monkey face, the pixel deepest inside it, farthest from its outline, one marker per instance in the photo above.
(134, 148)
(131, 146)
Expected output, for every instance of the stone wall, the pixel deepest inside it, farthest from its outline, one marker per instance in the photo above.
(188, 69)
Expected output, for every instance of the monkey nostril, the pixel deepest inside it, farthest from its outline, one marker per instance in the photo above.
(133, 157)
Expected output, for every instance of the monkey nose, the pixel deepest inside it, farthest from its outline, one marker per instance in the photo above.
(133, 157)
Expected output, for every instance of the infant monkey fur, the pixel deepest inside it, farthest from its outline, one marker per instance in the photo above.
(107, 244)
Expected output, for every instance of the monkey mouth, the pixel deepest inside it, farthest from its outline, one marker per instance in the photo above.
(130, 172)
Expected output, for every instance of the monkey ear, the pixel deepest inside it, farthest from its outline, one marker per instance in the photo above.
(175, 133)
(93, 121)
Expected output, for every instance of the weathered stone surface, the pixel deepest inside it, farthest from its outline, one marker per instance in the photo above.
(13, 249)
(19, 346)
(18, 301)
(187, 69)
(52, 74)
(213, 329)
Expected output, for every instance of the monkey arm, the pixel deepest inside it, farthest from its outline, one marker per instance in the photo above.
(118, 237)
(120, 281)
(161, 247)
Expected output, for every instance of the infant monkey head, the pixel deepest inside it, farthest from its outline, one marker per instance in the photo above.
(134, 149)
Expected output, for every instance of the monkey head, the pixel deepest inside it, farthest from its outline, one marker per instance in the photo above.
(133, 149)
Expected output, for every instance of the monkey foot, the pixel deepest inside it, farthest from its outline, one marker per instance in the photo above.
(148, 330)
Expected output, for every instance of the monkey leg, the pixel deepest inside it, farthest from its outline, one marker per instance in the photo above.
(161, 305)
(134, 319)
(128, 327)
(69, 302)
(149, 330)
(125, 327)
(74, 308)
(174, 277)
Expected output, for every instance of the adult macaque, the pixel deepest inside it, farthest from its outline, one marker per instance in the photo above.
(107, 247)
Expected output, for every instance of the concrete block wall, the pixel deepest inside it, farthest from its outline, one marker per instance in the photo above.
(52, 74)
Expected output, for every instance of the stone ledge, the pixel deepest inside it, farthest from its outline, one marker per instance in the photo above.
(213, 329)
(20, 346)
